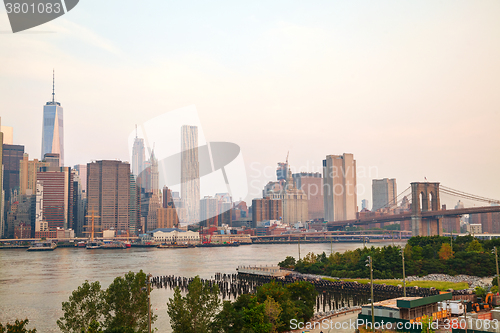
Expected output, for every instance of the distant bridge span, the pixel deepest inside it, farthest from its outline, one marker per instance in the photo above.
(425, 212)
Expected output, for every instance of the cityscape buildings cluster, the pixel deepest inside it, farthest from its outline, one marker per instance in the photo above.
(41, 197)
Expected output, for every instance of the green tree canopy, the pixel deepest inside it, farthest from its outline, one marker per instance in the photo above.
(126, 303)
(289, 262)
(195, 312)
(122, 308)
(85, 305)
(475, 246)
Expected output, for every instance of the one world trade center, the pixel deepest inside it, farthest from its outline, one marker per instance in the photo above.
(52, 131)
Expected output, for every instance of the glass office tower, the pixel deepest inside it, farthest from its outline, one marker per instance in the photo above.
(52, 131)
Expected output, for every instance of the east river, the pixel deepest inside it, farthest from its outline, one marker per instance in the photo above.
(33, 285)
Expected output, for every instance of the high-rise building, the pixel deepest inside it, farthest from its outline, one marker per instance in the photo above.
(208, 210)
(490, 222)
(12, 156)
(79, 204)
(190, 173)
(20, 213)
(108, 194)
(82, 172)
(168, 200)
(154, 205)
(364, 204)
(27, 174)
(135, 207)
(339, 187)
(57, 185)
(150, 176)
(384, 193)
(40, 223)
(138, 156)
(53, 128)
(295, 203)
(311, 183)
(266, 209)
(8, 135)
(169, 217)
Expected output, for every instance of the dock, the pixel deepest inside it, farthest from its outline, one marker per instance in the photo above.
(273, 271)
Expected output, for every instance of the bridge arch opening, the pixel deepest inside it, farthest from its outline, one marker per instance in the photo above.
(421, 200)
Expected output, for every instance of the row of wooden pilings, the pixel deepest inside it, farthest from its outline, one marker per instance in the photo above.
(332, 295)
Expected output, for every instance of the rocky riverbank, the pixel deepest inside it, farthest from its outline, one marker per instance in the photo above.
(473, 281)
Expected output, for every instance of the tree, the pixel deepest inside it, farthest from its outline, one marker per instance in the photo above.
(281, 295)
(245, 315)
(126, 303)
(289, 262)
(195, 312)
(480, 291)
(309, 259)
(445, 252)
(17, 327)
(122, 308)
(475, 246)
(427, 324)
(85, 306)
(303, 294)
(273, 310)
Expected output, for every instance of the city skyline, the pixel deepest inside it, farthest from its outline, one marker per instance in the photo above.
(412, 90)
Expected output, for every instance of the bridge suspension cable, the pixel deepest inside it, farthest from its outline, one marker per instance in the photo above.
(465, 195)
(394, 202)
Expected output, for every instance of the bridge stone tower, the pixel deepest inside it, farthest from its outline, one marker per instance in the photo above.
(425, 197)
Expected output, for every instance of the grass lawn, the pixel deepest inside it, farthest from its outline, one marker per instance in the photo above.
(439, 285)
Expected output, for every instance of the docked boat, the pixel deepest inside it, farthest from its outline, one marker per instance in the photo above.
(94, 245)
(144, 244)
(218, 244)
(174, 246)
(113, 245)
(43, 246)
(81, 244)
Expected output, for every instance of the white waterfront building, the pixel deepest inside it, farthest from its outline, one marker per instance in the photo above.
(171, 235)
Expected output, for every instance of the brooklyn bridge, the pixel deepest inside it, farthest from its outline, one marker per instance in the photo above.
(425, 213)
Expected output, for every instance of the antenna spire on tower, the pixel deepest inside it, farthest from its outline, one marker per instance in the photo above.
(136, 131)
(53, 86)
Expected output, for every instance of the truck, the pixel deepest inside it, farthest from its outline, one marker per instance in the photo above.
(456, 308)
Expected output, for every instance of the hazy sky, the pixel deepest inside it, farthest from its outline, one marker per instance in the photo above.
(411, 88)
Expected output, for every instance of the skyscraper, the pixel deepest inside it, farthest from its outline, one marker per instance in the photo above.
(384, 193)
(27, 174)
(266, 209)
(138, 156)
(312, 185)
(82, 172)
(108, 194)
(364, 204)
(12, 156)
(208, 210)
(53, 130)
(134, 207)
(339, 187)
(57, 199)
(190, 173)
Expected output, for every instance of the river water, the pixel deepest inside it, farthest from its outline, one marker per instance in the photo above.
(33, 285)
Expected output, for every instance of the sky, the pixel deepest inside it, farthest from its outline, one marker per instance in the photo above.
(411, 88)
